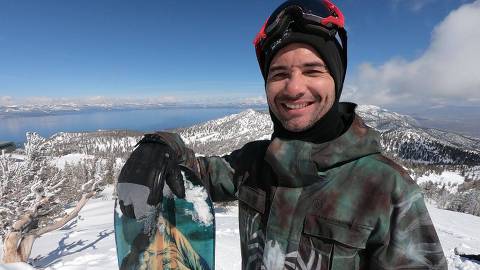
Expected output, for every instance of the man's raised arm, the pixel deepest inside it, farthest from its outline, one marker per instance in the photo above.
(160, 157)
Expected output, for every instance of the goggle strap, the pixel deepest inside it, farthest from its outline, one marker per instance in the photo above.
(342, 33)
(260, 35)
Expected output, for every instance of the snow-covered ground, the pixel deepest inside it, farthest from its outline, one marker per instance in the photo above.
(73, 158)
(89, 241)
(449, 179)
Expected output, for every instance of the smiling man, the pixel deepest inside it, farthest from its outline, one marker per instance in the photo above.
(319, 194)
(301, 92)
(300, 89)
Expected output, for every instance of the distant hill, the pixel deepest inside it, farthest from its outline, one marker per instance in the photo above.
(7, 146)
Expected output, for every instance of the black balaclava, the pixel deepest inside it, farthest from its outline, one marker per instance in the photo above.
(332, 124)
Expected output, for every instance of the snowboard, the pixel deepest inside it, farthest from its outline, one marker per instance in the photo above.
(176, 234)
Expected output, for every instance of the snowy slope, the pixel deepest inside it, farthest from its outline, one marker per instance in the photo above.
(402, 136)
(457, 230)
(89, 242)
(451, 180)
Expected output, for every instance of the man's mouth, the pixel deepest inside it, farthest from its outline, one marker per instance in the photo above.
(295, 106)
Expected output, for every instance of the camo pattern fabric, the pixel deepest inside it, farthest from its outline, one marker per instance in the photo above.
(336, 205)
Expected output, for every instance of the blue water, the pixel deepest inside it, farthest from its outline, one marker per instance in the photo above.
(14, 128)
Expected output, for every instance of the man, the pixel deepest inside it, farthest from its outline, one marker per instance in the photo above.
(319, 194)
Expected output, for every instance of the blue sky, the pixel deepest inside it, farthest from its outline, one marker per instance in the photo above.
(139, 49)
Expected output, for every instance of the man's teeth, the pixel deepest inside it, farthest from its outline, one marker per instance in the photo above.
(295, 106)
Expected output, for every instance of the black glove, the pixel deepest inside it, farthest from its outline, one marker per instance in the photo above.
(141, 181)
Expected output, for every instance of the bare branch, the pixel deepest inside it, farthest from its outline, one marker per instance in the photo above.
(60, 223)
(26, 219)
(56, 176)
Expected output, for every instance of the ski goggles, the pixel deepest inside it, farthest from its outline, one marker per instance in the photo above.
(320, 17)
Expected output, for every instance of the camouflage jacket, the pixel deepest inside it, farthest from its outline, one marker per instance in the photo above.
(335, 205)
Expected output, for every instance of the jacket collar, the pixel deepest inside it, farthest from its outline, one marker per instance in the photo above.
(299, 163)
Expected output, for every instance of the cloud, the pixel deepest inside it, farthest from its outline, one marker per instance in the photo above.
(92, 100)
(446, 73)
(258, 100)
(6, 100)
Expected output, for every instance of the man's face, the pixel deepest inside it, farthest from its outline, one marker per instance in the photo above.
(300, 90)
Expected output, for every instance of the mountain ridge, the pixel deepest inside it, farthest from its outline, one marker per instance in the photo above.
(400, 136)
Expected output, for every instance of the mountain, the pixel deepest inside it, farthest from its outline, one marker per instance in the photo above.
(427, 153)
(75, 108)
(221, 136)
(400, 136)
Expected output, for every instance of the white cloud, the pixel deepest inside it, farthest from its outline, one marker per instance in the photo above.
(93, 100)
(5, 100)
(447, 72)
(259, 100)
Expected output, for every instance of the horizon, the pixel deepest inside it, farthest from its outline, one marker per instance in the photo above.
(50, 120)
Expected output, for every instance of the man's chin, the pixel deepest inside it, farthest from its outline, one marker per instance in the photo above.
(297, 127)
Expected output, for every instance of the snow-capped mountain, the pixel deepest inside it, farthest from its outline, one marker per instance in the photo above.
(72, 107)
(400, 136)
(48, 109)
(384, 120)
(221, 136)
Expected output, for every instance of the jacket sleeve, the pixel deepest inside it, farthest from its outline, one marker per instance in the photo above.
(220, 175)
(410, 240)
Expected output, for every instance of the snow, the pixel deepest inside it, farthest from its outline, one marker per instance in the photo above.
(18, 157)
(227, 250)
(15, 266)
(197, 196)
(457, 230)
(450, 179)
(72, 158)
(230, 132)
(88, 242)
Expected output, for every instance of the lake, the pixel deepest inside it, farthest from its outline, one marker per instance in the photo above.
(14, 128)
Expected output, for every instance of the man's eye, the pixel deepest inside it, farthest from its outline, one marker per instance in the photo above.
(278, 76)
(316, 71)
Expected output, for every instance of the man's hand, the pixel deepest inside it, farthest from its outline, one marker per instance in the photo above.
(141, 181)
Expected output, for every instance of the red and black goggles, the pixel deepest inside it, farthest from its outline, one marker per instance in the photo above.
(320, 17)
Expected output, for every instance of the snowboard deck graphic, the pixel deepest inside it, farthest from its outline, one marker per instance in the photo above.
(178, 234)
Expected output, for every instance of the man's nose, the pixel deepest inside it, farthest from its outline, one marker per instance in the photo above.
(295, 85)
